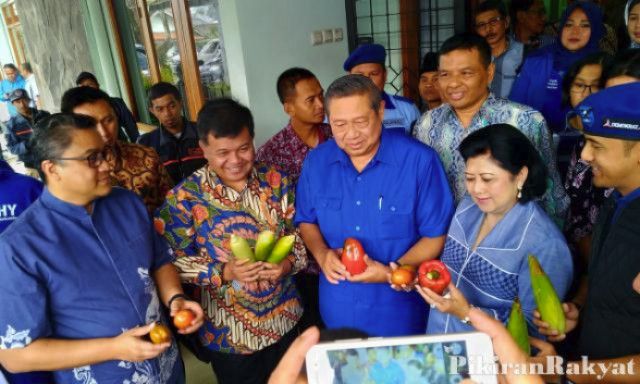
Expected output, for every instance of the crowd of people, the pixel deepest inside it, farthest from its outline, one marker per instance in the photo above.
(522, 143)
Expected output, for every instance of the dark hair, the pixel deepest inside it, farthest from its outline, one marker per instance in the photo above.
(286, 85)
(84, 76)
(468, 41)
(512, 150)
(223, 118)
(53, 135)
(162, 89)
(350, 85)
(519, 6)
(429, 62)
(81, 95)
(10, 66)
(632, 4)
(625, 63)
(599, 58)
(27, 65)
(491, 5)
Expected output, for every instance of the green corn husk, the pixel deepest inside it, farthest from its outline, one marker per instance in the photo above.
(546, 298)
(241, 249)
(282, 248)
(264, 245)
(517, 327)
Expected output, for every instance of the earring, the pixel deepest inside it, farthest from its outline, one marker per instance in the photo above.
(519, 193)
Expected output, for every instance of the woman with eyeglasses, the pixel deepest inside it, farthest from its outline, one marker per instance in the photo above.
(539, 83)
(583, 78)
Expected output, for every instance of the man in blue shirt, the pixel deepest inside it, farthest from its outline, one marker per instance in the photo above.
(13, 80)
(369, 60)
(80, 289)
(20, 127)
(383, 188)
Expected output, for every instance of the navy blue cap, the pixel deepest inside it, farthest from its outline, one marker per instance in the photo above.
(366, 53)
(613, 112)
(18, 94)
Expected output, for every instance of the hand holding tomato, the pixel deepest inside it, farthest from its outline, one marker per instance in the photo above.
(334, 271)
(402, 277)
(179, 306)
(456, 304)
(131, 345)
(375, 272)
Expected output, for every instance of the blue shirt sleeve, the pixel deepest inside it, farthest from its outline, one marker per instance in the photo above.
(435, 201)
(305, 211)
(23, 317)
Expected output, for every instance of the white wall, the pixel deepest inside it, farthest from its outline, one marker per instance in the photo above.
(263, 38)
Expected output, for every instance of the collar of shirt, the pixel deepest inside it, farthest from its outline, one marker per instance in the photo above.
(5, 167)
(388, 104)
(384, 154)
(225, 191)
(188, 132)
(623, 201)
(291, 135)
(71, 210)
(503, 235)
(478, 119)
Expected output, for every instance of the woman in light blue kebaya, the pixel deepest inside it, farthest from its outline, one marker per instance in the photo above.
(495, 227)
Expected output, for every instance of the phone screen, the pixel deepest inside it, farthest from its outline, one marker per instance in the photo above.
(435, 363)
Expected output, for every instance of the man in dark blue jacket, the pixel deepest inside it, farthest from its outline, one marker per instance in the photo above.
(176, 139)
(20, 127)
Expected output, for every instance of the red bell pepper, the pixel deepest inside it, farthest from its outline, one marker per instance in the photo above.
(433, 274)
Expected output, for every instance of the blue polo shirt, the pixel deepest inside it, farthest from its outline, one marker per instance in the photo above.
(401, 196)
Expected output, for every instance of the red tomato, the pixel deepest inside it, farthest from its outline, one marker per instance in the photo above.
(160, 334)
(402, 276)
(408, 267)
(353, 256)
(183, 318)
(433, 274)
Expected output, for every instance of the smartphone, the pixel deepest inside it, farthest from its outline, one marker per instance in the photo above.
(434, 359)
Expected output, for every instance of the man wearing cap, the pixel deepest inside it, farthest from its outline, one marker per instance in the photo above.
(428, 86)
(20, 127)
(609, 316)
(369, 60)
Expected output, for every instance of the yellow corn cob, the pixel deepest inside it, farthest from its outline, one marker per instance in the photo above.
(264, 244)
(282, 248)
(241, 249)
(517, 327)
(546, 298)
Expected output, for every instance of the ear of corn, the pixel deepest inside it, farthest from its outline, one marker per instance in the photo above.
(546, 298)
(264, 244)
(283, 247)
(241, 249)
(517, 327)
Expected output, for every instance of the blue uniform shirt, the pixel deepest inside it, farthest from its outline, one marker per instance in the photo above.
(17, 192)
(399, 113)
(6, 87)
(401, 196)
(70, 275)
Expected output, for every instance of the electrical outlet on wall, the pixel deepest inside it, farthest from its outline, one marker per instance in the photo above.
(327, 35)
(337, 34)
(316, 37)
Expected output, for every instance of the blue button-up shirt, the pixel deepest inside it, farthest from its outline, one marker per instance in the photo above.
(441, 129)
(399, 113)
(401, 196)
(507, 65)
(70, 275)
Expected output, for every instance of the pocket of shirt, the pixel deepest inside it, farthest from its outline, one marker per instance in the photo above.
(396, 219)
(330, 216)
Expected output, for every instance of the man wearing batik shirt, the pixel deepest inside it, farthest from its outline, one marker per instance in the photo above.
(84, 275)
(300, 93)
(134, 166)
(465, 72)
(252, 307)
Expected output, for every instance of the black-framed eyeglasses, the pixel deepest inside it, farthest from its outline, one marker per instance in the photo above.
(94, 159)
(493, 22)
(579, 88)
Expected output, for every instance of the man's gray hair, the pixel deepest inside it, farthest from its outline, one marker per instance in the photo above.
(350, 85)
